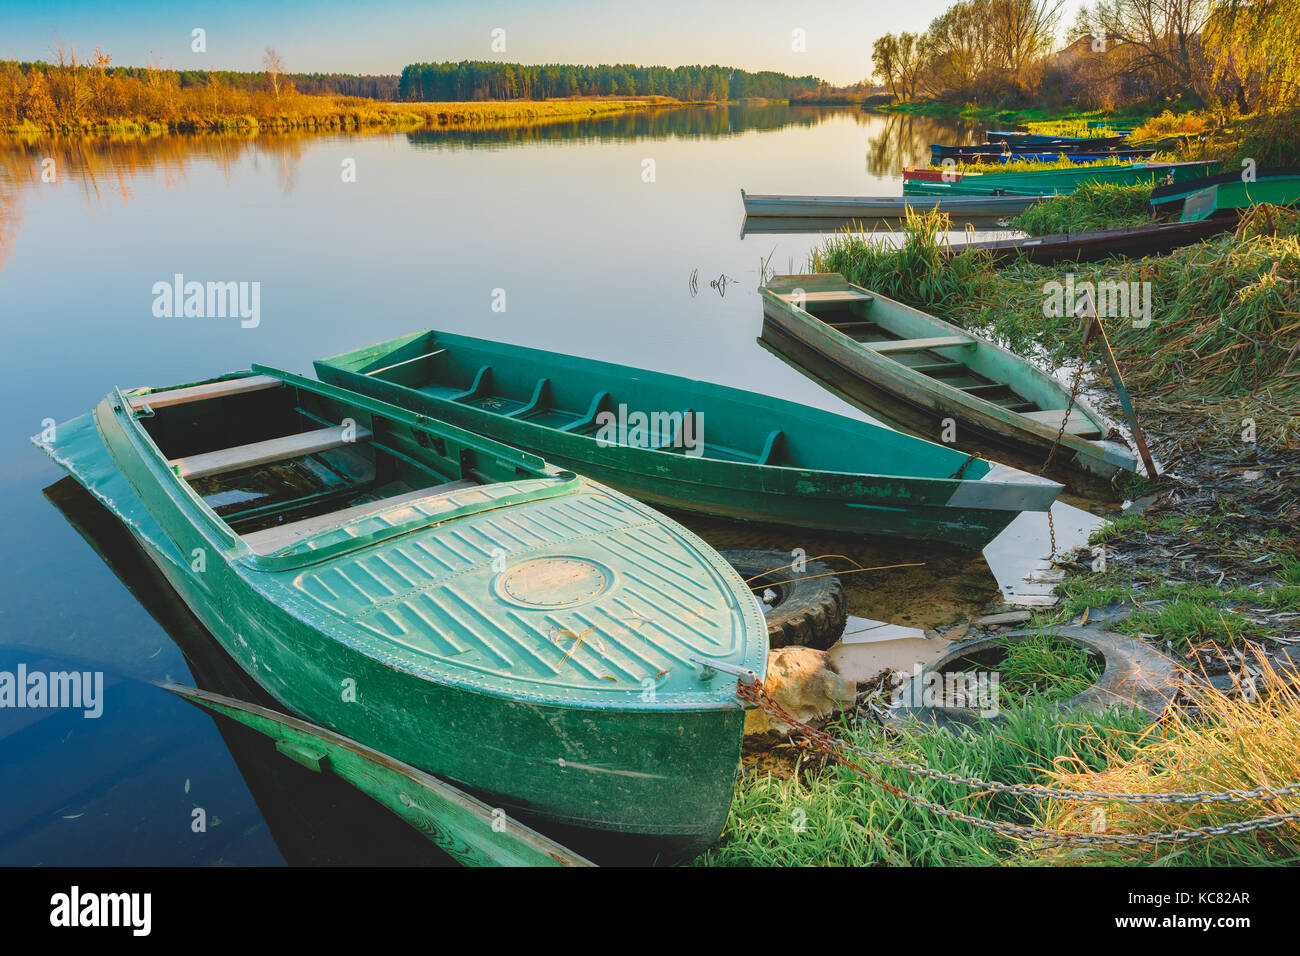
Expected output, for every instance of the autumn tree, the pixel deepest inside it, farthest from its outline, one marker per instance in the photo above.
(99, 83)
(12, 88)
(38, 105)
(1162, 36)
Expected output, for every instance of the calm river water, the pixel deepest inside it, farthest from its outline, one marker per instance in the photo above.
(591, 259)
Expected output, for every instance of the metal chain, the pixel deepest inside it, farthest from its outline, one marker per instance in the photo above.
(1060, 433)
(833, 747)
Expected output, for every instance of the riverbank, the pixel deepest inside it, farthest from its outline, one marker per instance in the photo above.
(1203, 564)
(1128, 116)
(296, 112)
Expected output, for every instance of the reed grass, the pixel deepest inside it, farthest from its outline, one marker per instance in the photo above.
(919, 271)
(296, 111)
(1077, 128)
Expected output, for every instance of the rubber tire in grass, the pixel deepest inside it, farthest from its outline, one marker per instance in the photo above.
(810, 609)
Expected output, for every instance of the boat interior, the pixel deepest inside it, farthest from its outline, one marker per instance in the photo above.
(951, 360)
(572, 395)
(279, 463)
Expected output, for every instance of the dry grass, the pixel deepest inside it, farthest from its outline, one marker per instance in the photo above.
(235, 111)
(1169, 124)
(1217, 743)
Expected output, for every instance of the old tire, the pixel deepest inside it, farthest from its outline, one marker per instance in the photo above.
(1134, 675)
(809, 608)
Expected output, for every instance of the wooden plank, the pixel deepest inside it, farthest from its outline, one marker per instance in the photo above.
(204, 392)
(1077, 425)
(831, 295)
(388, 368)
(270, 540)
(918, 345)
(264, 452)
(935, 368)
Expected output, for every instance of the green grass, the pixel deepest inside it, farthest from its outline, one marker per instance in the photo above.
(834, 817)
(1029, 166)
(1186, 623)
(1091, 207)
(1044, 668)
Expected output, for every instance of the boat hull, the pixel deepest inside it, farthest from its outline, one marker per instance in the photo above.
(1154, 239)
(883, 207)
(1050, 182)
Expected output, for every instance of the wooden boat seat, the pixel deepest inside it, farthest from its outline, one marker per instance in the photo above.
(1077, 425)
(205, 392)
(934, 369)
(270, 540)
(828, 297)
(540, 393)
(264, 452)
(919, 345)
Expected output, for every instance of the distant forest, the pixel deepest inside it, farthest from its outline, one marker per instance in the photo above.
(480, 80)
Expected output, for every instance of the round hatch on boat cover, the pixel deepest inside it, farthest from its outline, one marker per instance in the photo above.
(554, 582)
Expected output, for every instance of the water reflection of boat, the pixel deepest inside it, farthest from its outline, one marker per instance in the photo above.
(315, 819)
(969, 207)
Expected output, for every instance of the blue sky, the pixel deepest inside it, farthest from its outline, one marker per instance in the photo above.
(381, 37)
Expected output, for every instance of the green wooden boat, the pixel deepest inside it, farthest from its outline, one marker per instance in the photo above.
(1055, 182)
(694, 446)
(1238, 195)
(882, 207)
(1174, 195)
(932, 371)
(523, 632)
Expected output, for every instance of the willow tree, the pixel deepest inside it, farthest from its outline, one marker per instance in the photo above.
(1254, 50)
(898, 61)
